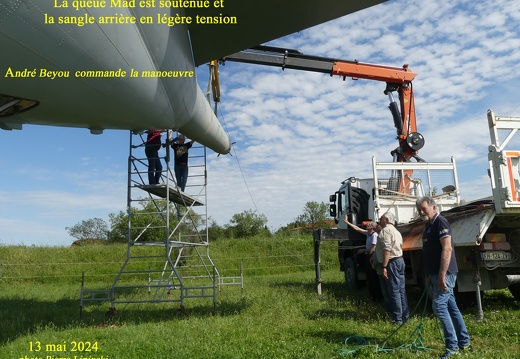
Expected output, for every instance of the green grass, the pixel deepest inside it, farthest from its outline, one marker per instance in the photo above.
(277, 315)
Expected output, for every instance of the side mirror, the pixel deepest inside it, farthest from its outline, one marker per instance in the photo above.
(332, 210)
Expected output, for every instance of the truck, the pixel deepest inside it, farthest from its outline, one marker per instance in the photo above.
(486, 232)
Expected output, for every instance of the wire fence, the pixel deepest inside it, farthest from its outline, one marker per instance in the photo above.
(252, 265)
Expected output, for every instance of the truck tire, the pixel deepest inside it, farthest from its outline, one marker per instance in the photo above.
(515, 290)
(359, 203)
(351, 274)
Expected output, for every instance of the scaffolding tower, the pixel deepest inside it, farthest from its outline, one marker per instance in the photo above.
(167, 257)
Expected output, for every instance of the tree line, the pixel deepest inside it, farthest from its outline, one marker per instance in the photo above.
(242, 225)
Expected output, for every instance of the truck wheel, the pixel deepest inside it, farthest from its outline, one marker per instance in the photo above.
(351, 274)
(515, 290)
(359, 203)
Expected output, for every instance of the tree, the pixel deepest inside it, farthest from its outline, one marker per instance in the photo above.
(147, 223)
(247, 224)
(94, 228)
(215, 231)
(314, 216)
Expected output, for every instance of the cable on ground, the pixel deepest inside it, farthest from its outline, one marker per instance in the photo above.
(416, 344)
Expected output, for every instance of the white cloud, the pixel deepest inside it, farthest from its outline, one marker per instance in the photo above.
(316, 131)
(27, 232)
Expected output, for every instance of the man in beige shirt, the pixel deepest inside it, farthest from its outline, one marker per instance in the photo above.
(389, 253)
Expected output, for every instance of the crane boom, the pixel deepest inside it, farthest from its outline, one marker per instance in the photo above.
(398, 79)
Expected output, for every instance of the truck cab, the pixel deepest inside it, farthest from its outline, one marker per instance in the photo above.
(394, 187)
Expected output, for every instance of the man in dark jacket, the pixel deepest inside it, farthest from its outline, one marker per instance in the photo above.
(180, 150)
(441, 266)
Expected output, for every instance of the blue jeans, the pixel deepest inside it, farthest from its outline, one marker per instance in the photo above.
(154, 165)
(181, 176)
(446, 310)
(396, 290)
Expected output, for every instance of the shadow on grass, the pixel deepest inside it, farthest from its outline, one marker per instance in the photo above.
(152, 313)
(418, 301)
(345, 304)
(381, 345)
(357, 304)
(163, 312)
(500, 299)
(22, 317)
(346, 339)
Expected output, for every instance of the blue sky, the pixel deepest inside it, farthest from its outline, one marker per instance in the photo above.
(297, 134)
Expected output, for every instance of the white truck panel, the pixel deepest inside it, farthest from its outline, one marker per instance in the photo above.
(469, 227)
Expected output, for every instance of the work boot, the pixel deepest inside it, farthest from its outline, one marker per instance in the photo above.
(449, 353)
(466, 349)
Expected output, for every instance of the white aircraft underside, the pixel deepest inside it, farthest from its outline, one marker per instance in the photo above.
(133, 103)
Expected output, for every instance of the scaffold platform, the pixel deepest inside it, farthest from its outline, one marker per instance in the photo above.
(167, 191)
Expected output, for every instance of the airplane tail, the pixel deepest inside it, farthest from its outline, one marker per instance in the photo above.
(205, 128)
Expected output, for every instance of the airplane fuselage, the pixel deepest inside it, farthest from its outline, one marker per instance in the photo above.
(102, 75)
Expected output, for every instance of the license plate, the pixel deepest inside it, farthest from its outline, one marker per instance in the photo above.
(496, 256)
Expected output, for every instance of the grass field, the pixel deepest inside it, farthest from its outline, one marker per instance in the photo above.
(277, 315)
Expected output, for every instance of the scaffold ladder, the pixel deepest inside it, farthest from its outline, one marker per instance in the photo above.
(167, 257)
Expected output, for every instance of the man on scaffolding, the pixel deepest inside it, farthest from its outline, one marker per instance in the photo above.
(180, 150)
(152, 145)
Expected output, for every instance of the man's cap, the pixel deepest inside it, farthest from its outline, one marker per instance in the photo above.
(390, 217)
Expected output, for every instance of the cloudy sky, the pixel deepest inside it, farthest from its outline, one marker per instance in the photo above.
(297, 134)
